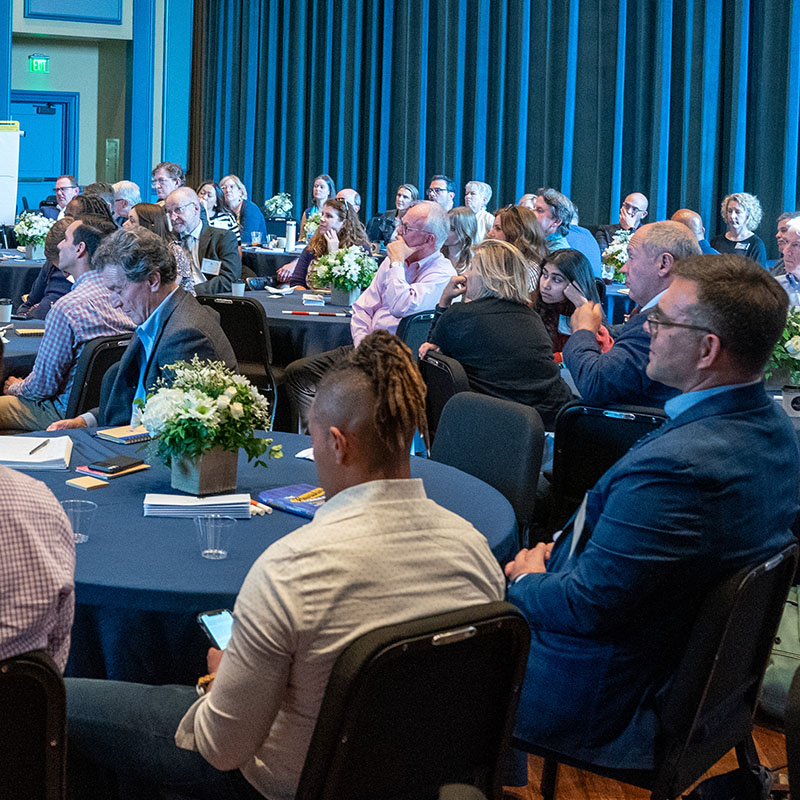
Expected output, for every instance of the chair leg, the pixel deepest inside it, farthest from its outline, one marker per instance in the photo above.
(549, 782)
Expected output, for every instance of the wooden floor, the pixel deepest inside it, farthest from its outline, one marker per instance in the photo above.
(576, 785)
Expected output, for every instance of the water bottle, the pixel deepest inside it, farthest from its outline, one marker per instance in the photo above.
(291, 235)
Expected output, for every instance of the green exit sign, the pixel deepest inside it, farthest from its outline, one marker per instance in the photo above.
(38, 63)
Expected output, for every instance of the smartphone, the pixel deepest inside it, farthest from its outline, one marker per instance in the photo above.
(116, 464)
(218, 626)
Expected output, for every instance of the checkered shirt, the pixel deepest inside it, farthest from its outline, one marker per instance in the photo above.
(37, 565)
(82, 314)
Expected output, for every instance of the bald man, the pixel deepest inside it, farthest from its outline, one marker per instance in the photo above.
(694, 222)
(213, 253)
(352, 197)
(632, 213)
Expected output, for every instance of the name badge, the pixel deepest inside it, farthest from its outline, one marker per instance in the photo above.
(210, 266)
(741, 246)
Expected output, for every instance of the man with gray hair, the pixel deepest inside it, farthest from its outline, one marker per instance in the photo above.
(410, 279)
(618, 375)
(554, 212)
(477, 195)
(126, 196)
(351, 197)
(139, 271)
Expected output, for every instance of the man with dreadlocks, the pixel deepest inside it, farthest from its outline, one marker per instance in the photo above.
(378, 552)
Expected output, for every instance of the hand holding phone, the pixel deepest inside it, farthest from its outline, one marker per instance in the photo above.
(218, 626)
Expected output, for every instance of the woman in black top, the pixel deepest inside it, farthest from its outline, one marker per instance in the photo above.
(499, 340)
(742, 215)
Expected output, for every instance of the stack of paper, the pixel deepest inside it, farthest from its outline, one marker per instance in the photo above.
(35, 452)
(181, 505)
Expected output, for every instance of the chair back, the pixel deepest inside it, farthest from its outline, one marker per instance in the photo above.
(588, 441)
(244, 322)
(714, 692)
(414, 706)
(414, 329)
(96, 358)
(444, 377)
(32, 728)
(495, 440)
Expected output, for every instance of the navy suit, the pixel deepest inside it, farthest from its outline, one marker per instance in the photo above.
(187, 329)
(617, 376)
(50, 284)
(711, 491)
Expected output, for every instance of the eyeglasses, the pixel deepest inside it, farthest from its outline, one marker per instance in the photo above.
(162, 181)
(655, 321)
(404, 228)
(58, 189)
(173, 211)
(632, 209)
(434, 190)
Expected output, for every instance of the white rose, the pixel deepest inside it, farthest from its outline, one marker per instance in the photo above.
(237, 410)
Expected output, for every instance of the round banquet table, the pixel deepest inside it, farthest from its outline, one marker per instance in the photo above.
(265, 262)
(296, 336)
(19, 352)
(618, 304)
(17, 275)
(140, 581)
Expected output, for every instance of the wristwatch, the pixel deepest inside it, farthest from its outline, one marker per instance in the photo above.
(397, 264)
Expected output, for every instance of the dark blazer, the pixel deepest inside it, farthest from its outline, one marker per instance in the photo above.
(617, 376)
(187, 329)
(221, 246)
(604, 234)
(49, 286)
(712, 491)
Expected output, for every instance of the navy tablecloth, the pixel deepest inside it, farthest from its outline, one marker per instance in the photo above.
(19, 352)
(17, 277)
(141, 581)
(265, 263)
(298, 336)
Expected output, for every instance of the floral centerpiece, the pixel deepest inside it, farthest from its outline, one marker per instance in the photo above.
(347, 272)
(31, 231)
(312, 223)
(278, 206)
(615, 256)
(199, 416)
(785, 359)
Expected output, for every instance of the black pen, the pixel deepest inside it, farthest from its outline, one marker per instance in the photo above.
(39, 447)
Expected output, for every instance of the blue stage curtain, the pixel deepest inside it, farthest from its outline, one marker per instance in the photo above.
(684, 100)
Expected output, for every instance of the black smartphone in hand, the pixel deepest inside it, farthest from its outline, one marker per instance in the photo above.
(218, 626)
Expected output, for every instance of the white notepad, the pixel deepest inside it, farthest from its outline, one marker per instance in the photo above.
(51, 452)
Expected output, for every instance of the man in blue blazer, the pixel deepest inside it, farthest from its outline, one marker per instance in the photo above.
(618, 375)
(611, 602)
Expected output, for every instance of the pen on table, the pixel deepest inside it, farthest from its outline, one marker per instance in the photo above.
(39, 447)
(265, 509)
(320, 313)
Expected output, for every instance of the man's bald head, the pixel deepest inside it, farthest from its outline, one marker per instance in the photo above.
(692, 220)
(183, 209)
(633, 211)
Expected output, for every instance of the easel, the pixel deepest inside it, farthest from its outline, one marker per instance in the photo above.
(9, 173)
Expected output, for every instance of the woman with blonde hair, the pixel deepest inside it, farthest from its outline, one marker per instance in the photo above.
(339, 227)
(463, 234)
(247, 213)
(495, 335)
(742, 215)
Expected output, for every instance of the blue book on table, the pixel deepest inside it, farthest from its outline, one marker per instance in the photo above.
(302, 499)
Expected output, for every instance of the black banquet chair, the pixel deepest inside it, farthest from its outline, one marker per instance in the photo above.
(32, 728)
(96, 358)
(588, 441)
(412, 707)
(414, 329)
(712, 700)
(245, 324)
(444, 377)
(499, 442)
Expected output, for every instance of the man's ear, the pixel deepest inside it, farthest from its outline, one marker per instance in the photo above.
(665, 267)
(710, 351)
(80, 249)
(154, 281)
(644, 214)
(340, 445)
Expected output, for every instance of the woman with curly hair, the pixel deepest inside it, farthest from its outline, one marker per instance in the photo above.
(457, 246)
(519, 226)
(339, 227)
(742, 215)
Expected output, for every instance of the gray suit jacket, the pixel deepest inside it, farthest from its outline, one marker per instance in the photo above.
(187, 329)
(221, 246)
